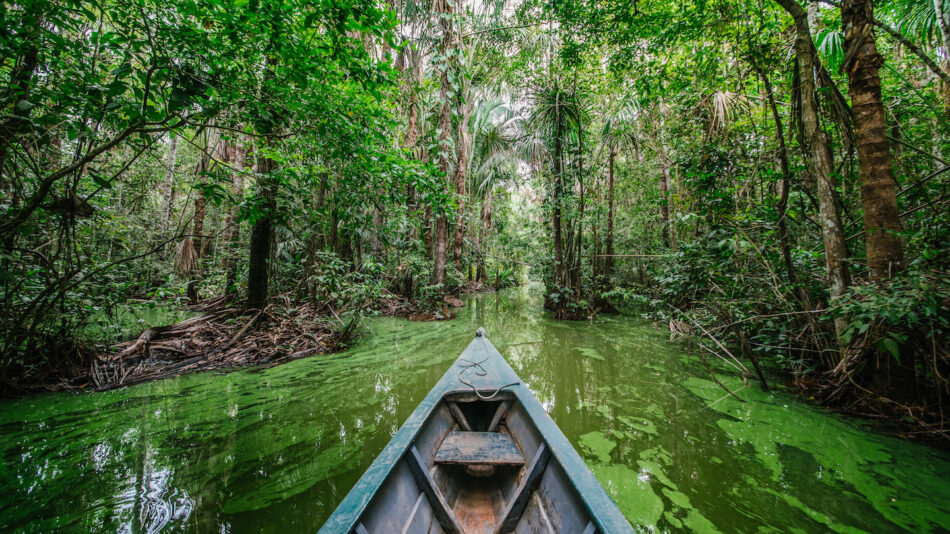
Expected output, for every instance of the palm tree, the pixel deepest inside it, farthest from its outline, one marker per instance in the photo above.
(493, 159)
(555, 113)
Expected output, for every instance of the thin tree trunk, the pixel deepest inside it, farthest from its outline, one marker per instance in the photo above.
(201, 207)
(486, 231)
(782, 207)
(609, 260)
(427, 227)
(668, 236)
(461, 178)
(169, 188)
(885, 251)
(378, 224)
(440, 232)
(665, 203)
(577, 279)
(819, 163)
(198, 242)
(238, 159)
(412, 133)
(559, 267)
(943, 21)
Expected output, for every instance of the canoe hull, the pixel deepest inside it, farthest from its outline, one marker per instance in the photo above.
(527, 478)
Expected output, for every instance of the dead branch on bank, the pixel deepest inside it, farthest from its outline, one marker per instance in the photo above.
(219, 339)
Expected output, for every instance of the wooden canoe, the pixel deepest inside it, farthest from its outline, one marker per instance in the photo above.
(478, 455)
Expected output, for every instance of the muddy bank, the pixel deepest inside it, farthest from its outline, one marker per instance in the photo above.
(224, 336)
(220, 339)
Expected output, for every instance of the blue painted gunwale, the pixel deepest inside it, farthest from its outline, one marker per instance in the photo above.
(602, 509)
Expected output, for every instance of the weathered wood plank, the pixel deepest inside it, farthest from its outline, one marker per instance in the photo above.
(440, 508)
(499, 413)
(459, 416)
(485, 448)
(420, 517)
(517, 505)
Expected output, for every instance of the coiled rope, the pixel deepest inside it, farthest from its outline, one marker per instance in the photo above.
(467, 364)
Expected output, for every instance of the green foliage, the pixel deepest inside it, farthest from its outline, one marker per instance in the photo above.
(912, 309)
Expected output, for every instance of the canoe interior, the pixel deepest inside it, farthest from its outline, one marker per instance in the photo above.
(494, 474)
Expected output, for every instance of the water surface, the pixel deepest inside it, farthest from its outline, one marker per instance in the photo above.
(275, 450)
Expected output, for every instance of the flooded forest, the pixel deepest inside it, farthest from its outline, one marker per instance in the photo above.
(240, 240)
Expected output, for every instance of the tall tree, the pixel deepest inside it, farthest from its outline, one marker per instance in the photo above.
(237, 156)
(819, 159)
(440, 245)
(258, 275)
(784, 184)
(168, 193)
(885, 252)
(206, 164)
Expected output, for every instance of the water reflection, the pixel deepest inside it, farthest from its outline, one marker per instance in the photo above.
(277, 449)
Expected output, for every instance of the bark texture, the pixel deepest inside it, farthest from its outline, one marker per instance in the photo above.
(782, 206)
(237, 156)
(818, 155)
(943, 20)
(862, 61)
(169, 186)
(261, 237)
(609, 260)
(559, 268)
(440, 232)
(461, 178)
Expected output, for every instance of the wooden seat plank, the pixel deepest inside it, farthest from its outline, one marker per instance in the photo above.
(483, 448)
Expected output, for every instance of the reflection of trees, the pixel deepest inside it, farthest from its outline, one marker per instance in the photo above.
(282, 446)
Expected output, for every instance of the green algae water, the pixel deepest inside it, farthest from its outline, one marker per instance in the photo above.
(275, 450)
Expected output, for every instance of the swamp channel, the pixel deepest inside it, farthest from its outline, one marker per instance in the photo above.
(276, 449)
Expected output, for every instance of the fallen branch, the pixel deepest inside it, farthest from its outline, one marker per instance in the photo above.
(243, 331)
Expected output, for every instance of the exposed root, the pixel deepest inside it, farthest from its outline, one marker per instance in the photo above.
(217, 340)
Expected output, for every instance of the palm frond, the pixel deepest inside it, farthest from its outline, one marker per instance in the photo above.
(920, 20)
(831, 46)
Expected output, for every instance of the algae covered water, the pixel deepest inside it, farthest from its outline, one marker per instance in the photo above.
(275, 450)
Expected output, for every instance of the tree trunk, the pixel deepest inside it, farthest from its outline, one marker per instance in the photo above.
(885, 251)
(237, 156)
(440, 248)
(461, 177)
(559, 267)
(169, 187)
(782, 207)
(412, 134)
(665, 203)
(378, 224)
(486, 231)
(943, 21)
(258, 272)
(427, 227)
(440, 232)
(205, 163)
(665, 161)
(819, 162)
(577, 281)
(261, 236)
(198, 242)
(609, 238)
